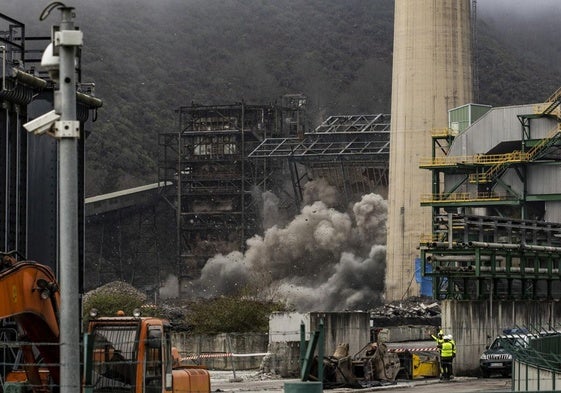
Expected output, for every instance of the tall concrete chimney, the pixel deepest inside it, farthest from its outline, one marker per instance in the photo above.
(432, 72)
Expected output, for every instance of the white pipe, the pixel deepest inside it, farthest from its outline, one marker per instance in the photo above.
(3, 47)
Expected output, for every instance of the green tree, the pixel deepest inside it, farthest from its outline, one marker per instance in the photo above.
(231, 315)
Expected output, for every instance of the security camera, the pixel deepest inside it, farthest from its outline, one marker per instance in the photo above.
(43, 123)
(50, 62)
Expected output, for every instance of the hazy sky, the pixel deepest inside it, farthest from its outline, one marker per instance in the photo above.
(520, 7)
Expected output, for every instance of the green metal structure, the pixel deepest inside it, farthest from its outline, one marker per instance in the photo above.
(471, 255)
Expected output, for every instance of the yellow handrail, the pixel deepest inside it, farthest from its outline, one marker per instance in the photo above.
(484, 159)
(464, 197)
(534, 150)
(555, 96)
(441, 132)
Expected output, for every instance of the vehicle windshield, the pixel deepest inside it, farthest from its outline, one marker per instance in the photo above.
(508, 343)
(114, 358)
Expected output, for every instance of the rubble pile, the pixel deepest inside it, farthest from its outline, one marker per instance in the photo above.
(117, 288)
(412, 311)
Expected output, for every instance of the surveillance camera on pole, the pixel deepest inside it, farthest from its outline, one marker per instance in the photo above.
(50, 62)
(43, 123)
(59, 60)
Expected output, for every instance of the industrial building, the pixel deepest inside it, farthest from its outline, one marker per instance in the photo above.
(470, 190)
(495, 209)
(472, 208)
(224, 157)
(29, 165)
(214, 183)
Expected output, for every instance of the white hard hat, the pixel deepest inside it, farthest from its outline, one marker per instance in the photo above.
(448, 337)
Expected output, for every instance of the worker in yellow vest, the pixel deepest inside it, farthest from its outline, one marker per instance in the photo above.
(447, 355)
(439, 338)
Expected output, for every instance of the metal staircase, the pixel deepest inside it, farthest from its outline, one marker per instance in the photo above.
(535, 153)
(552, 103)
(552, 137)
(499, 167)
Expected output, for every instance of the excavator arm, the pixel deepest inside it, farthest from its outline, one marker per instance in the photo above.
(29, 294)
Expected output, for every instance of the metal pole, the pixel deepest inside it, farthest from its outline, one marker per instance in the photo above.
(68, 133)
(321, 350)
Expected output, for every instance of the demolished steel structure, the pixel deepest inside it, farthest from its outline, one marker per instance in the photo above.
(351, 152)
(214, 182)
(223, 156)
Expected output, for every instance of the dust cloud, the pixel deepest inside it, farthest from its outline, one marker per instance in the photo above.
(322, 260)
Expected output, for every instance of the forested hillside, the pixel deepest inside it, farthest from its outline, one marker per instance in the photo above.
(147, 58)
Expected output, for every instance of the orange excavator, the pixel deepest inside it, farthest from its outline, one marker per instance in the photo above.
(131, 354)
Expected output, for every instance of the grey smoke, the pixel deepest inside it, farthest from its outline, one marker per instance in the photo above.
(323, 259)
(321, 190)
(170, 288)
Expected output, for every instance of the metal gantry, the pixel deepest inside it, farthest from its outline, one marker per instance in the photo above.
(350, 151)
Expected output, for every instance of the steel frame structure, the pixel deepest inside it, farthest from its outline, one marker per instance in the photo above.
(350, 151)
(222, 152)
(214, 180)
(479, 257)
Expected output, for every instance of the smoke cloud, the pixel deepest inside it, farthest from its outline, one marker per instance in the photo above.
(322, 260)
(170, 288)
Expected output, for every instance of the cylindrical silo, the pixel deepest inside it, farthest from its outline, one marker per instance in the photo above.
(432, 72)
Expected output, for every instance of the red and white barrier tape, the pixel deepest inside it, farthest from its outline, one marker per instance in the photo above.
(222, 355)
(426, 349)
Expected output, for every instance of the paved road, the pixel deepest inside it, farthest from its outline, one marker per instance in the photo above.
(222, 381)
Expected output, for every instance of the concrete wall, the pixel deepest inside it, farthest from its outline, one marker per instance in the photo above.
(284, 359)
(407, 333)
(285, 326)
(526, 378)
(339, 327)
(211, 350)
(474, 324)
(343, 327)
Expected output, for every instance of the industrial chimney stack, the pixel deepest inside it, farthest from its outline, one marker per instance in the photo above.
(432, 73)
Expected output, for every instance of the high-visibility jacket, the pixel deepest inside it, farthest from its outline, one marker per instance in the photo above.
(447, 350)
(439, 340)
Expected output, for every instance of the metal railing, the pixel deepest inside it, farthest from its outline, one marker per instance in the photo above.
(464, 197)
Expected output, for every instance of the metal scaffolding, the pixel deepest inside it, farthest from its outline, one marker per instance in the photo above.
(214, 181)
(350, 151)
(222, 156)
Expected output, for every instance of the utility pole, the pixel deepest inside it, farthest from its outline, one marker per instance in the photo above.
(68, 129)
(59, 59)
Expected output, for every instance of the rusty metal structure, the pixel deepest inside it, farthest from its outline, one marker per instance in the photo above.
(351, 152)
(215, 183)
(223, 158)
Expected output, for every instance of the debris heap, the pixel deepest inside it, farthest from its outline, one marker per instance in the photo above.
(413, 311)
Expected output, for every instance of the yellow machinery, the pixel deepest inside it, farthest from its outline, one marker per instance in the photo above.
(421, 364)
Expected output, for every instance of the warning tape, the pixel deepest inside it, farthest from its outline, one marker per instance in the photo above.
(208, 356)
(223, 355)
(244, 355)
(426, 349)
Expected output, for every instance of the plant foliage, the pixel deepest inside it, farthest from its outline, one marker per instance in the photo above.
(231, 315)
